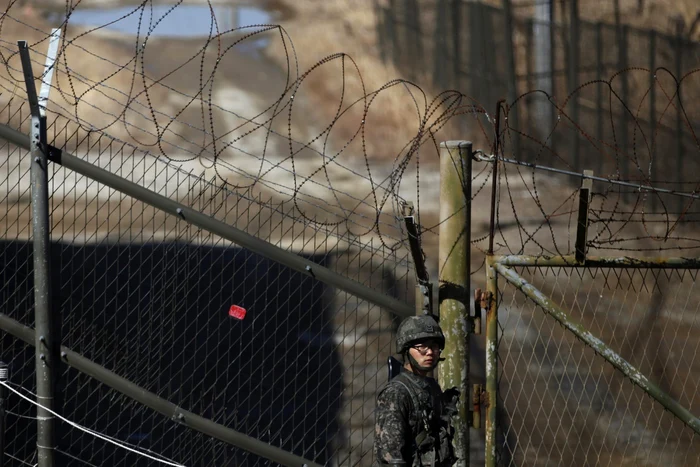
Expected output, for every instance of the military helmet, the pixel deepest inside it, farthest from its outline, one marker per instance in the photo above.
(418, 328)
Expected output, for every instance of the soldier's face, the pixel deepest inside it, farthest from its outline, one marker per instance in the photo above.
(426, 353)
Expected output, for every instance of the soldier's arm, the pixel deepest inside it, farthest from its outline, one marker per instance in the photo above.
(392, 430)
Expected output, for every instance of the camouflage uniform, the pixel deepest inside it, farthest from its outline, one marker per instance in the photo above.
(413, 415)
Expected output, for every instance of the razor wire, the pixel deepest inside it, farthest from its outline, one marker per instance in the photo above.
(380, 193)
(620, 121)
(149, 294)
(375, 210)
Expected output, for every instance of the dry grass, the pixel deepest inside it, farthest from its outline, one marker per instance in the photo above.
(320, 29)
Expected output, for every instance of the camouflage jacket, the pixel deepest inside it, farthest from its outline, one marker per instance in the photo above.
(409, 435)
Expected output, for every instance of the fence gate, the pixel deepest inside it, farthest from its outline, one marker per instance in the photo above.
(593, 363)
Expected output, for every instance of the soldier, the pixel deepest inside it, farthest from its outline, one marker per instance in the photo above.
(413, 415)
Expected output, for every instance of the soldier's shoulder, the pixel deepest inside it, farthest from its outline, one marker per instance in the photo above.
(394, 390)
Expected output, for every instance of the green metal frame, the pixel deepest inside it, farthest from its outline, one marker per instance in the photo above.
(501, 266)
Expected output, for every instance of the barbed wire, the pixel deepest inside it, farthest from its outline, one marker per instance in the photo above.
(346, 156)
(381, 196)
(286, 146)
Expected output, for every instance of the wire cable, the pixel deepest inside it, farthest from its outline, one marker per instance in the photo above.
(91, 432)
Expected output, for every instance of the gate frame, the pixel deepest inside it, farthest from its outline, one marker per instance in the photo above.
(502, 266)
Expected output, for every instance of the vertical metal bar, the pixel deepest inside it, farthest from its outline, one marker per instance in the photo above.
(513, 120)
(416, 37)
(582, 225)
(454, 257)
(652, 115)
(42, 270)
(531, 71)
(494, 181)
(543, 59)
(624, 120)
(599, 89)
(381, 14)
(392, 25)
(679, 115)
(456, 16)
(3, 399)
(491, 363)
(573, 76)
(440, 49)
(476, 410)
(475, 65)
(552, 75)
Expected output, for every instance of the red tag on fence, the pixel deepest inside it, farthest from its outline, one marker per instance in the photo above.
(236, 312)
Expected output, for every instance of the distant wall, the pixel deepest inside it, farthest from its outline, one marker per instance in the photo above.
(157, 314)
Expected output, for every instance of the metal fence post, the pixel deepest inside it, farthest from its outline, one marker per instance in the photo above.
(491, 363)
(543, 30)
(513, 120)
(3, 398)
(599, 89)
(454, 259)
(623, 64)
(679, 113)
(46, 360)
(573, 71)
(456, 23)
(652, 116)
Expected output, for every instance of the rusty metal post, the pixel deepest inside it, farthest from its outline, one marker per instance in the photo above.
(491, 329)
(491, 362)
(454, 259)
(477, 389)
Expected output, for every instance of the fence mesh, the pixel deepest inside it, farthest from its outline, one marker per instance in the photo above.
(146, 295)
(562, 403)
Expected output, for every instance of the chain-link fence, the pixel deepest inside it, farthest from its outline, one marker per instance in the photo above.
(560, 402)
(147, 295)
